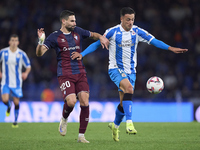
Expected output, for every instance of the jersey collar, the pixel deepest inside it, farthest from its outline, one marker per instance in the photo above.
(122, 29)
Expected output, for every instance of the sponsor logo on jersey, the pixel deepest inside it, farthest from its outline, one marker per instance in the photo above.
(71, 48)
(126, 43)
(62, 40)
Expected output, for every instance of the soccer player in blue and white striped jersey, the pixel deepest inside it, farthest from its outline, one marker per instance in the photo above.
(124, 39)
(12, 59)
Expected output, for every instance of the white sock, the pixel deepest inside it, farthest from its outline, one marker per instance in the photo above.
(128, 121)
(116, 126)
(80, 134)
(64, 118)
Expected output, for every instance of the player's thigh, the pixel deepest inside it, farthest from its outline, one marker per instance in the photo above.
(83, 98)
(117, 75)
(127, 85)
(82, 90)
(5, 97)
(67, 86)
(132, 79)
(5, 91)
(16, 100)
(82, 84)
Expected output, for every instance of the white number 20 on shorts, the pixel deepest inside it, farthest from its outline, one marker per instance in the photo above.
(64, 85)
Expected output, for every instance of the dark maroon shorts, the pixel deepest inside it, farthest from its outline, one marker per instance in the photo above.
(73, 84)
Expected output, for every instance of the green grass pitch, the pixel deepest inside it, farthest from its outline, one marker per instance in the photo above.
(150, 136)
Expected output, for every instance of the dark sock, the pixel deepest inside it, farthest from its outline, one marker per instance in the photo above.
(8, 104)
(119, 115)
(16, 112)
(84, 118)
(66, 110)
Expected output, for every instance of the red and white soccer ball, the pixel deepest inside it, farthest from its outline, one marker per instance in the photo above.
(155, 85)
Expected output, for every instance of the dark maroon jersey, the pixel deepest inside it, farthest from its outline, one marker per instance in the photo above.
(65, 44)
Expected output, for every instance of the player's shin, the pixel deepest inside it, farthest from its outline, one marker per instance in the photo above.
(127, 105)
(66, 110)
(84, 119)
(16, 112)
(119, 115)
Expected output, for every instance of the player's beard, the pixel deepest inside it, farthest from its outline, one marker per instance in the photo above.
(70, 29)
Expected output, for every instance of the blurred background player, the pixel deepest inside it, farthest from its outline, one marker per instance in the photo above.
(13, 59)
(71, 73)
(124, 39)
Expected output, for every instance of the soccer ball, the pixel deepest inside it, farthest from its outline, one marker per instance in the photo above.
(155, 85)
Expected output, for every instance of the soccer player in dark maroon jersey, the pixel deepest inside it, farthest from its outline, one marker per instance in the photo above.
(71, 73)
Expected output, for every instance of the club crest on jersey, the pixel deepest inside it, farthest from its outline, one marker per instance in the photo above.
(123, 75)
(18, 55)
(133, 33)
(75, 37)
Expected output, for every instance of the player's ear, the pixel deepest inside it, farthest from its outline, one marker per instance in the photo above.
(121, 18)
(63, 21)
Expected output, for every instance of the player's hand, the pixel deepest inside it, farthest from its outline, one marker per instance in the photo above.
(24, 76)
(76, 55)
(104, 42)
(177, 50)
(0, 75)
(40, 31)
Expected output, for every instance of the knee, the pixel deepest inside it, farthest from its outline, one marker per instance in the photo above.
(129, 89)
(84, 103)
(83, 98)
(16, 103)
(71, 103)
(5, 98)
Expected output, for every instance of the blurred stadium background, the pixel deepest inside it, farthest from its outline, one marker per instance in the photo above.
(176, 22)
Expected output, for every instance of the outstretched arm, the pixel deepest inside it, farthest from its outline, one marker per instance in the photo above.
(162, 45)
(91, 48)
(103, 40)
(41, 49)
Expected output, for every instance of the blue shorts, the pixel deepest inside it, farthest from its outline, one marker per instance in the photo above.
(16, 92)
(117, 75)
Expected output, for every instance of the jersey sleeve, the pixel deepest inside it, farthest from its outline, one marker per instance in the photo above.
(91, 48)
(109, 33)
(26, 61)
(144, 36)
(50, 41)
(84, 33)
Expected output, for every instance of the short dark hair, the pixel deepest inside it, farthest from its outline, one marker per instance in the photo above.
(14, 36)
(65, 14)
(126, 10)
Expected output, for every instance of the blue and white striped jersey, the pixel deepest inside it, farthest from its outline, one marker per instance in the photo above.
(12, 66)
(123, 46)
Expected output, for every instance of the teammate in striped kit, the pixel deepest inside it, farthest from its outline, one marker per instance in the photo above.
(13, 59)
(124, 39)
(71, 73)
